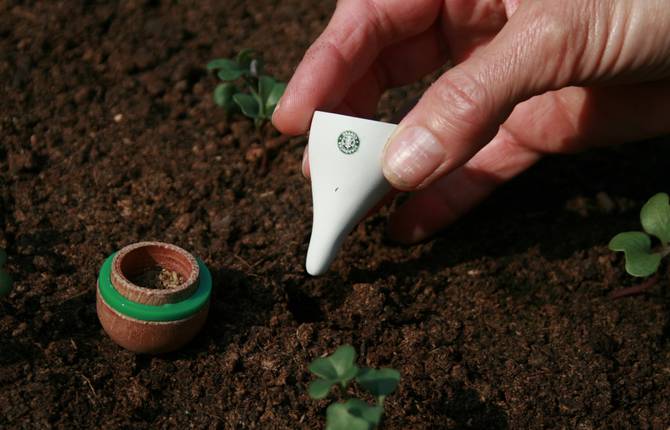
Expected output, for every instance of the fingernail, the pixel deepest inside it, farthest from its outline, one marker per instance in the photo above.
(304, 162)
(411, 156)
(276, 109)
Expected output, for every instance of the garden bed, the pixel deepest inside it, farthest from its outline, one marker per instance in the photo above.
(109, 136)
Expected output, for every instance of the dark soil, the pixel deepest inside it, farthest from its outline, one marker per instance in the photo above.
(158, 279)
(109, 136)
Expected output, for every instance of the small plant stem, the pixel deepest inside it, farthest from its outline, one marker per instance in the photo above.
(635, 289)
(380, 401)
(341, 392)
(250, 83)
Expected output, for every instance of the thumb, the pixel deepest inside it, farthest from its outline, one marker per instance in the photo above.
(546, 45)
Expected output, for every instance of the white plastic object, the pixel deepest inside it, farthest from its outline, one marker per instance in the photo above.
(345, 156)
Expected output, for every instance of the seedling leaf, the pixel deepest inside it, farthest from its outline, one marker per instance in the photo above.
(343, 358)
(323, 368)
(274, 96)
(338, 367)
(247, 103)
(354, 414)
(339, 418)
(371, 414)
(244, 57)
(5, 283)
(3, 257)
(379, 382)
(219, 63)
(265, 86)
(223, 95)
(655, 217)
(319, 388)
(636, 246)
(231, 72)
(264, 90)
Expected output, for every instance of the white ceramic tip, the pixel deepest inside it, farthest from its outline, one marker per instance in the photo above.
(345, 156)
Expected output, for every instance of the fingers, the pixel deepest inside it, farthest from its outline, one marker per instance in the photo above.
(357, 33)
(564, 121)
(544, 46)
(397, 116)
(399, 64)
(463, 110)
(432, 209)
(413, 58)
(575, 118)
(469, 25)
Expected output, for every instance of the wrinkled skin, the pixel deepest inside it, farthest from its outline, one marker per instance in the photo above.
(530, 78)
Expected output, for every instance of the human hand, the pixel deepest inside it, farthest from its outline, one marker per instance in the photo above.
(529, 78)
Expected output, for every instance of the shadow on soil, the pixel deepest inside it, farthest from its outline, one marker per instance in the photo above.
(531, 210)
(15, 351)
(309, 301)
(239, 301)
(469, 412)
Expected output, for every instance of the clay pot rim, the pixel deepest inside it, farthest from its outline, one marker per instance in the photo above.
(152, 296)
(144, 312)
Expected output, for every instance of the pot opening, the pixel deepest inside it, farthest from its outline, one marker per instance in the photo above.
(155, 267)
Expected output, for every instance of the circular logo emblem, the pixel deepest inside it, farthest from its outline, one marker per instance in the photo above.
(348, 142)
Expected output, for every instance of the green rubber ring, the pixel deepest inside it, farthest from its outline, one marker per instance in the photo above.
(166, 312)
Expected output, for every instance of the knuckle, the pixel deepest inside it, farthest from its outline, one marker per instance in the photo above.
(558, 33)
(549, 17)
(460, 100)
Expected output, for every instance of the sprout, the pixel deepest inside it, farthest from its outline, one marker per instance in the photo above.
(340, 368)
(263, 92)
(354, 414)
(641, 259)
(380, 383)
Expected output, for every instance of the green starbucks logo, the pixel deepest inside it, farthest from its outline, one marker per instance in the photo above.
(348, 142)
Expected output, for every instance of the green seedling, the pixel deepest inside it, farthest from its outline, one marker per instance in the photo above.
(245, 87)
(353, 414)
(641, 259)
(340, 369)
(5, 278)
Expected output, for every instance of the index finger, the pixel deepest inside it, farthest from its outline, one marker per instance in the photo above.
(354, 37)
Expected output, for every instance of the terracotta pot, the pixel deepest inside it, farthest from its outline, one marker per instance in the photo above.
(146, 320)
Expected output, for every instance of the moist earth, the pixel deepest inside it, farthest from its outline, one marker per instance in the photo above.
(110, 136)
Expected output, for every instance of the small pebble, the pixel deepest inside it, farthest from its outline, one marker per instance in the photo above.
(605, 202)
(183, 222)
(82, 95)
(20, 329)
(254, 154)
